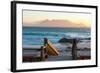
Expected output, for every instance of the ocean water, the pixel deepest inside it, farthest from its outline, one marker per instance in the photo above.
(35, 35)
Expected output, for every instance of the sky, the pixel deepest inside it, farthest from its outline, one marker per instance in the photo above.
(56, 19)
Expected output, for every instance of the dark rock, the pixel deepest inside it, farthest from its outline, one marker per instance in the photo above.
(66, 40)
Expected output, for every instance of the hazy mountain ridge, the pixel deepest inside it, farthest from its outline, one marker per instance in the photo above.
(56, 23)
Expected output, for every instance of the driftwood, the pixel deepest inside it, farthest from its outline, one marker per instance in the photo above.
(74, 49)
(74, 45)
(44, 54)
(50, 48)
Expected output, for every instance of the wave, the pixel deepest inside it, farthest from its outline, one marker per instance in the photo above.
(54, 34)
(44, 33)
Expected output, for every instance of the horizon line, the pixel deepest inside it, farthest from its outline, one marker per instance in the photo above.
(53, 27)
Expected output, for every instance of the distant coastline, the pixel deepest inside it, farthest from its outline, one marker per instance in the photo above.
(58, 27)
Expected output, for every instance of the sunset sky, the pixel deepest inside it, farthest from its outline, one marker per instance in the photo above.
(56, 19)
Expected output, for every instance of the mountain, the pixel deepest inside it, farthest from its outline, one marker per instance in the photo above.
(56, 23)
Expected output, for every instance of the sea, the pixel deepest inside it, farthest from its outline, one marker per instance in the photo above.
(34, 36)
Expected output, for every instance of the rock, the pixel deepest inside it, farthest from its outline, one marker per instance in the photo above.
(66, 40)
